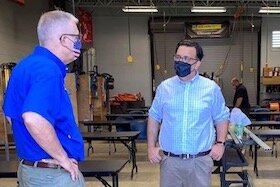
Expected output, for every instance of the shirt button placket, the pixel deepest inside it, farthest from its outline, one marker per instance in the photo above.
(185, 113)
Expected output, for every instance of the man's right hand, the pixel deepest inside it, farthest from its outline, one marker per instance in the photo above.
(69, 164)
(154, 155)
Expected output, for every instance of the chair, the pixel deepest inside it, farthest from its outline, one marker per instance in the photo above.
(136, 112)
(140, 125)
(123, 127)
(264, 117)
(253, 108)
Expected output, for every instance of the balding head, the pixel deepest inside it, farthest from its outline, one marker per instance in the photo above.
(234, 81)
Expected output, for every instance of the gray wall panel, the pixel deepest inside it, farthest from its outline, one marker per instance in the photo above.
(18, 28)
(111, 43)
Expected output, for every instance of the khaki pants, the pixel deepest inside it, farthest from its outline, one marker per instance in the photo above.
(177, 172)
(29, 176)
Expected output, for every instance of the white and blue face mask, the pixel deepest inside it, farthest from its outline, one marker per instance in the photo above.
(77, 44)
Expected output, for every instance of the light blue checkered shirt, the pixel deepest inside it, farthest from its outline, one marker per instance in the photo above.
(188, 112)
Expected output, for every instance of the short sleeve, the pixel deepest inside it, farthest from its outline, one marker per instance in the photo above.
(156, 109)
(43, 96)
(220, 111)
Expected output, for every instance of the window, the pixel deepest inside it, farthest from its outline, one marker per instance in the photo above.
(275, 39)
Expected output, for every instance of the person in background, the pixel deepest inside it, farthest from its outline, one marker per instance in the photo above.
(190, 115)
(48, 141)
(241, 99)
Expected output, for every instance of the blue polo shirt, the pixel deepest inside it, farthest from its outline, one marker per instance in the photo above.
(37, 85)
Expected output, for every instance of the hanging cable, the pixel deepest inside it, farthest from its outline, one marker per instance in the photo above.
(129, 58)
(234, 31)
(73, 6)
(157, 66)
(164, 42)
(252, 51)
(252, 44)
(242, 48)
(128, 28)
(266, 54)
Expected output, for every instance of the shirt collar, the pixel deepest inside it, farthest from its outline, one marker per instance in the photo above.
(190, 81)
(48, 54)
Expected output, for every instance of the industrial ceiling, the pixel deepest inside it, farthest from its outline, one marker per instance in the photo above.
(178, 8)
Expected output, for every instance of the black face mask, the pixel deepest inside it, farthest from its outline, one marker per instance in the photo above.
(182, 69)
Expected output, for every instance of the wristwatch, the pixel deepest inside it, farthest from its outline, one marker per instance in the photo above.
(220, 142)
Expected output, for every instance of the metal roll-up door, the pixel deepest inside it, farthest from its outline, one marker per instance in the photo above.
(242, 48)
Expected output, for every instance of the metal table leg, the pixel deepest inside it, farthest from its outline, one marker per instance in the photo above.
(132, 153)
(115, 180)
(256, 160)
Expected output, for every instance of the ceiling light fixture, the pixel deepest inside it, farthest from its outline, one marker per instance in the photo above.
(271, 10)
(140, 9)
(208, 9)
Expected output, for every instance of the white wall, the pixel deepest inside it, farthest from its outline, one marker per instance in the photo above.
(269, 55)
(111, 44)
(18, 28)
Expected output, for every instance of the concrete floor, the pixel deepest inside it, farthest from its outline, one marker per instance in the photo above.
(148, 174)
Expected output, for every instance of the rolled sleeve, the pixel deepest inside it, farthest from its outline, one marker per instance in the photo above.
(156, 109)
(220, 112)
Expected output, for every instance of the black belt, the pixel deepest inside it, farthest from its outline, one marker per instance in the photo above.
(39, 164)
(186, 156)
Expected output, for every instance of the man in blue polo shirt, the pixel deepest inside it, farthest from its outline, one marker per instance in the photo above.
(48, 142)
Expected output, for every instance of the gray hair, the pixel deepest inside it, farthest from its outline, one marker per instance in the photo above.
(51, 24)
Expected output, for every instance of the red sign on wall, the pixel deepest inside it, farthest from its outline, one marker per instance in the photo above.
(20, 1)
(86, 26)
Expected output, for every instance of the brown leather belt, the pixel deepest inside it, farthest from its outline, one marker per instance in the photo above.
(186, 156)
(39, 164)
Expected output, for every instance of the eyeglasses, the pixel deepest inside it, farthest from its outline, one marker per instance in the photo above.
(186, 59)
(78, 36)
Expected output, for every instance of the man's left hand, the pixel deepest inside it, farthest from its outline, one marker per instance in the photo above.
(217, 151)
